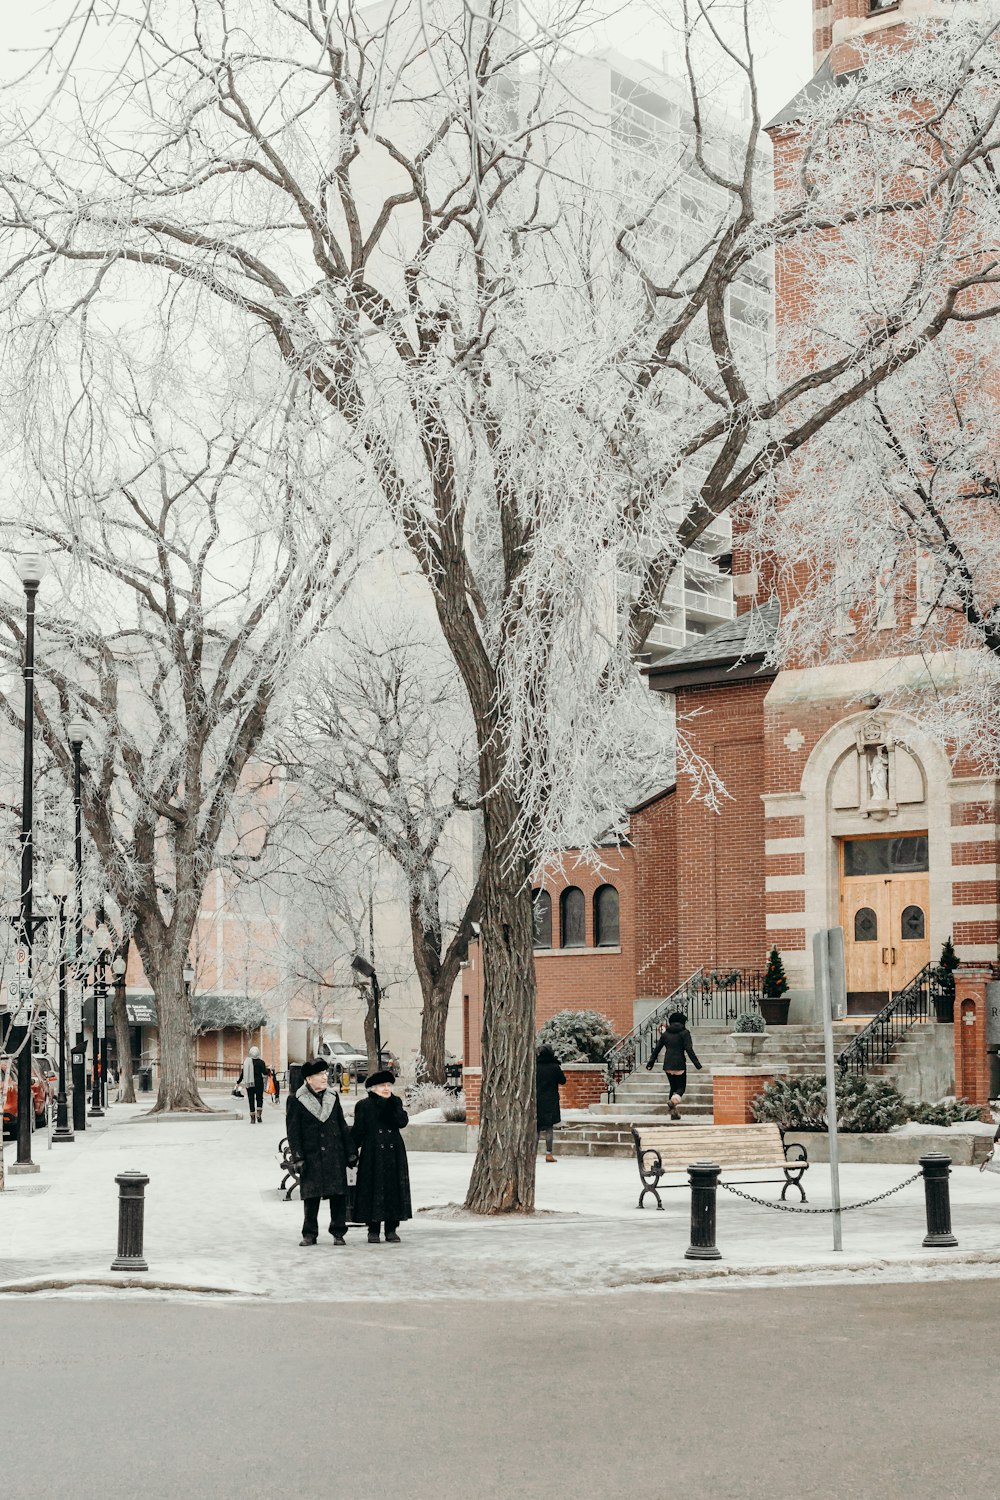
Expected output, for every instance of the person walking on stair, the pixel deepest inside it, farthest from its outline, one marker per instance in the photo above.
(676, 1045)
(548, 1078)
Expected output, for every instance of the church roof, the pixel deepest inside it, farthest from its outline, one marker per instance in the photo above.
(824, 78)
(738, 649)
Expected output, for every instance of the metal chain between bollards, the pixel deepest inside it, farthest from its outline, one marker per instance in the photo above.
(797, 1208)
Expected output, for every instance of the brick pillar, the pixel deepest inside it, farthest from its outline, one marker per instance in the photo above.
(972, 1072)
(585, 1084)
(733, 1091)
(472, 1080)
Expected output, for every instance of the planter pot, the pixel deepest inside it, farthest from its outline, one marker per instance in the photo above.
(774, 1009)
(748, 1045)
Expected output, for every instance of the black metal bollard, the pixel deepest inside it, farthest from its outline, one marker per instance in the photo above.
(704, 1179)
(131, 1210)
(936, 1168)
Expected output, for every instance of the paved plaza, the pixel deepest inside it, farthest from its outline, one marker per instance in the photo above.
(216, 1221)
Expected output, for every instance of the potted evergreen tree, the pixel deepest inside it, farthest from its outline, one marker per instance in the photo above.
(773, 1001)
(943, 992)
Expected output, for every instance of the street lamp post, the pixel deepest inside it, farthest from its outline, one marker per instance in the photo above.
(367, 971)
(77, 733)
(60, 882)
(31, 570)
(102, 940)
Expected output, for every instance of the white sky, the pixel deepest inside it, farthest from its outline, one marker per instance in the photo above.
(784, 45)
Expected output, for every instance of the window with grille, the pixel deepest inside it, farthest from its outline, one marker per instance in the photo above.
(607, 925)
(865, 925)
(572, 921)
(541, 905)
(911, 923)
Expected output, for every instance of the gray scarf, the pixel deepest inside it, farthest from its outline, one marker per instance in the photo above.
(307, 1098)
(248, 1076)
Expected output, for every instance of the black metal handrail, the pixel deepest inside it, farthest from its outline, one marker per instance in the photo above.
(718, 996)
(924, 998)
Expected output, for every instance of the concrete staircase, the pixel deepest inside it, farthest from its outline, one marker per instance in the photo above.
(798, 1050)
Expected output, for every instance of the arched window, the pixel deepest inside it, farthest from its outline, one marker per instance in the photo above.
(607, 933)
(911, 923)
(541, 906)
(572, 931)
(865, 925)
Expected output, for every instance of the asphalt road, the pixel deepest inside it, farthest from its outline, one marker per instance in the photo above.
(824, 1392)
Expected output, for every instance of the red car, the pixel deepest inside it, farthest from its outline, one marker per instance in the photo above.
(42, 1087)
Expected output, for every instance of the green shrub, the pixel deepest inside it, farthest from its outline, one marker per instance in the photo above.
(947, 1112)
(871, 1105)
(750, 1021)
(578, 1036)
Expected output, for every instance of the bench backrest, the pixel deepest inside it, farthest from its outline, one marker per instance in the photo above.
(729, 1145)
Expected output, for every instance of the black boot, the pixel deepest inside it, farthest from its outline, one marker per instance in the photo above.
(373, 1238)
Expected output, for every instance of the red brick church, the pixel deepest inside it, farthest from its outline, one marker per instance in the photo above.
(839, 813)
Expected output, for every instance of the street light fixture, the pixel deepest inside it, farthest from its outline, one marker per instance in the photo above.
(31, 570)
(76, 733)
(103, 942)
(60, 884)
(367, 971)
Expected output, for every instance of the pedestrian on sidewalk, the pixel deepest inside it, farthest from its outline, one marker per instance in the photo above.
(274, 1087)
(319, 1139)
(676, 1045)
(549, 1077)
(382, 1192)
(252, 1076)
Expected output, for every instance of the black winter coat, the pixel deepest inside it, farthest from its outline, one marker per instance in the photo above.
(383, 1187)
(548, 1077)
(324, 1147)
(675, 1043)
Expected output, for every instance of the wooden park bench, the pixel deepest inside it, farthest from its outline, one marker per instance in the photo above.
(663, 1150)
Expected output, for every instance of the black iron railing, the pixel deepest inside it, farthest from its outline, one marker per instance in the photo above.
(925, 998)
(707, 996)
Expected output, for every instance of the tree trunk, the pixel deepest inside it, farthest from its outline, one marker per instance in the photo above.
(374, 1061)
(126, 1083)
(178, 1087)
(503, 1176)
(433, 1021)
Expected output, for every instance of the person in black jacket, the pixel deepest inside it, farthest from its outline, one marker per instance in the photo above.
(676, 1045)
(548, 1078)
(322, 1149)
(382, 1191)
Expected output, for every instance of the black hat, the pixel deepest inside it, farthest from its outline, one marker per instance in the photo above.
(374, 1079)
(310, 1069)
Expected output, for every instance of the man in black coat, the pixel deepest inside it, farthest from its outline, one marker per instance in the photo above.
(322, 1149)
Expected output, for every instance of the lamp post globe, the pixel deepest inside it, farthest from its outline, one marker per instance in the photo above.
(76, 731)
(31, 569)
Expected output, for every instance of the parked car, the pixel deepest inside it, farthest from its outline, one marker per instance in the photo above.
(42, 1089)
(340, 1057)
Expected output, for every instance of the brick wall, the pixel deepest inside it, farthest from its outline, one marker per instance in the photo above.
(653, 832)
(972, 1072)
(591, 978)
(720, 854)
(733, 1093)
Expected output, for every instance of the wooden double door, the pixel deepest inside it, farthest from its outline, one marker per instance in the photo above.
(884, 891)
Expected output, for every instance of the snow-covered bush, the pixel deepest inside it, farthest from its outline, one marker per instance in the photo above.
(945, 1112)
(870, 1105)
(421, 1096)
(578, 1036)
(454, 1110)
(750, 1021)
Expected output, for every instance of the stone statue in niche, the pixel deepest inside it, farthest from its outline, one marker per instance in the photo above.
(878, 774)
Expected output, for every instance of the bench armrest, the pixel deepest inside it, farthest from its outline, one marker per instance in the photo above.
(788, 1146)
(654, 1167)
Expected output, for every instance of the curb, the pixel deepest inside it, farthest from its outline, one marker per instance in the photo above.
(127, 1284)
(809, 1268)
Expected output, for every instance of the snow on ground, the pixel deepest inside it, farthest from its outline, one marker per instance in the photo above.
(214, 1219)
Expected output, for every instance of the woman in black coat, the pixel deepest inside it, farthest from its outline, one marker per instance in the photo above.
(548, 1078)
(382, 1191)
(676, 1045)
(322, 1149)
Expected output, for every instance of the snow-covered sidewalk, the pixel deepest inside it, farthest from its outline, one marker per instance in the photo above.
(215, 1220)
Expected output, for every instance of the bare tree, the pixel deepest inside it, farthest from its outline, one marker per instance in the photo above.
(379, 744)
(393, 205)
(205, 605)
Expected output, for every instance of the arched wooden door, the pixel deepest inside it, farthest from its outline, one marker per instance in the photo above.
(884, 892)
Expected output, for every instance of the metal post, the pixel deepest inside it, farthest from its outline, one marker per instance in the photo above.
(31, 577)
(704, 1179)
(376, 1003)
(62, 1131)
(131, 1212)
(936, 1168)
(825, 957)
(80, 1043)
